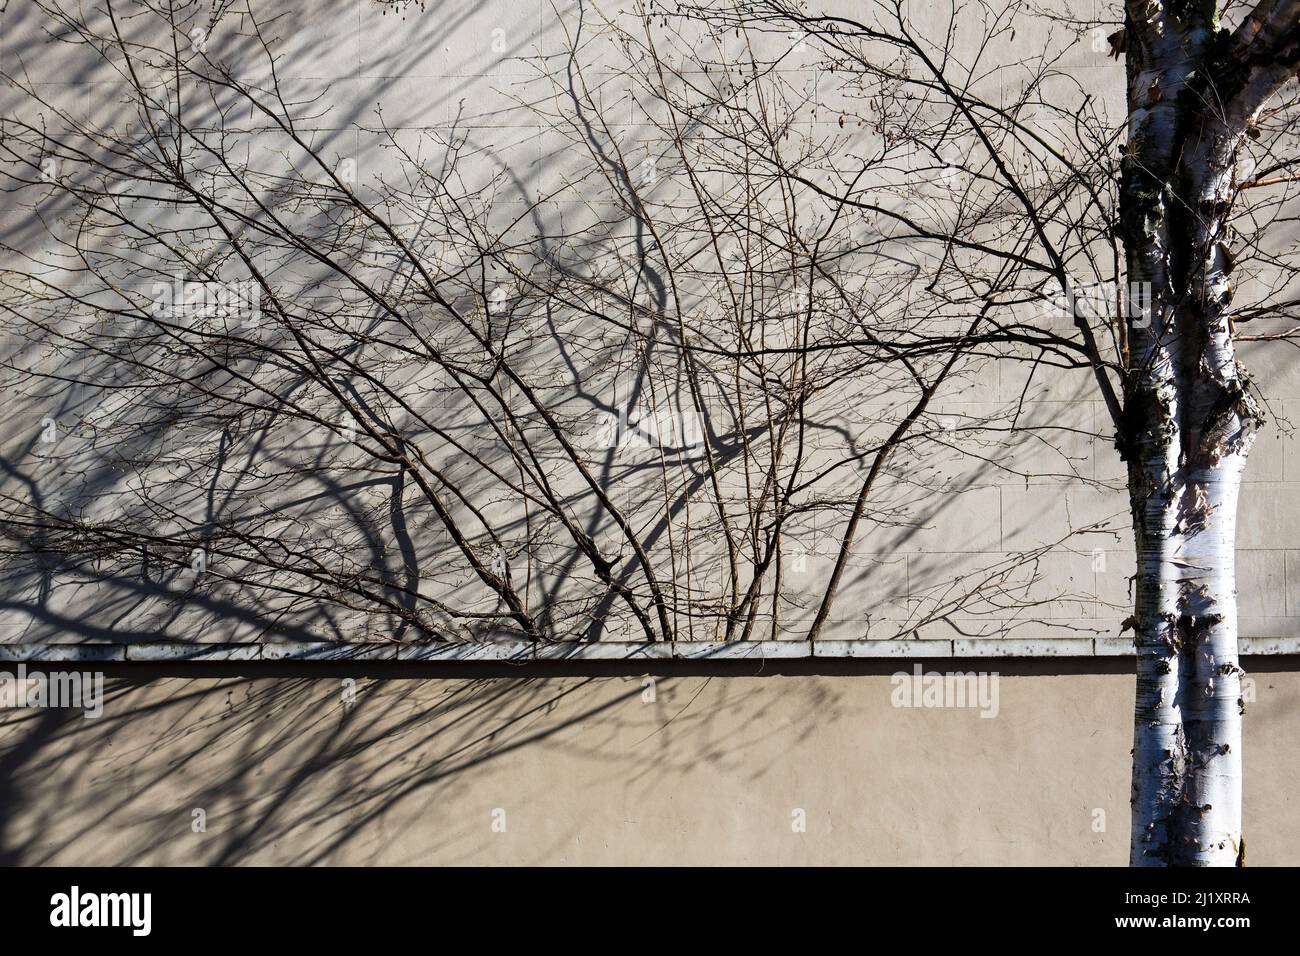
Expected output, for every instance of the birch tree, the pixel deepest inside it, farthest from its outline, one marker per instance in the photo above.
(1196, 91)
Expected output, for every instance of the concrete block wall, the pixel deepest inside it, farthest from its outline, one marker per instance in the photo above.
(1037, 527)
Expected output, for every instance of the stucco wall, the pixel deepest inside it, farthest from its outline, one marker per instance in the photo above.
(587, 770)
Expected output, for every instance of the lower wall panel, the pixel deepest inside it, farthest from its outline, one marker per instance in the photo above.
(599, 765)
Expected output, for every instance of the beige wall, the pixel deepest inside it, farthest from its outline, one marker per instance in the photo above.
(587, 772)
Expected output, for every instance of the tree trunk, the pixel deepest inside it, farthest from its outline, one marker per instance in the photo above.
(1188, 427)
(1187, 736)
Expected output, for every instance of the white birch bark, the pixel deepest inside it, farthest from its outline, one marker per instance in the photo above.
(1189, 418)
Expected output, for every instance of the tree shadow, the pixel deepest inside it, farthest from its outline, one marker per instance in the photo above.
(290, 769)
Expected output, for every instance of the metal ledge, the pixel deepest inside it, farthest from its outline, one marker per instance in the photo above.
(519, 651)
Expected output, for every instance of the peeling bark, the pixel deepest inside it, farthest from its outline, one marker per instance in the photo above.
(1189, 424)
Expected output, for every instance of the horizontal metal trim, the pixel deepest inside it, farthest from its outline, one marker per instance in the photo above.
(604, 650)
